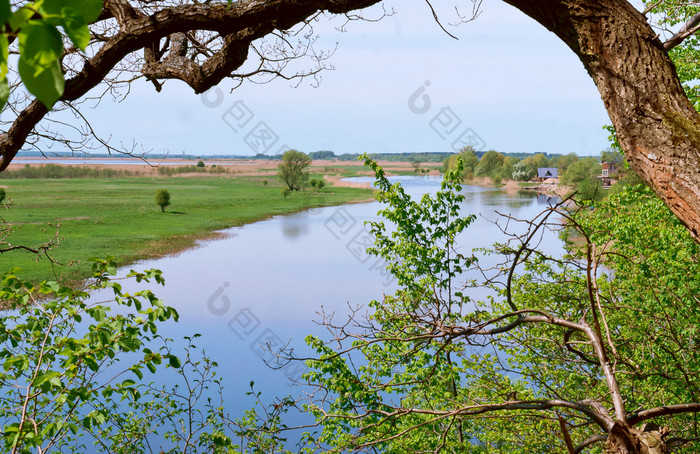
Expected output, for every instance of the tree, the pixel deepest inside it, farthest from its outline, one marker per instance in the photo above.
(536, 161)
(469, 162)
(565, 356)
(583, 169)
(415, 163)
(292, 169)
(523, 172)
(612, 156)
(562, 162)
(489, 163)
(3, 194)
(162, 199)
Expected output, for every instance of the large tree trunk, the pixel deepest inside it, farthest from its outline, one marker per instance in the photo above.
(628, 440)
(656, 124)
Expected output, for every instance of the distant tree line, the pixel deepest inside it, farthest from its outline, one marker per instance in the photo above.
(580, 173)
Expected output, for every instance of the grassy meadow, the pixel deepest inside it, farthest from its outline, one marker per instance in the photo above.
(97, 217)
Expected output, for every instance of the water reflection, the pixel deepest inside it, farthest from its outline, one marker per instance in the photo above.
(295, 225)
(546, 199)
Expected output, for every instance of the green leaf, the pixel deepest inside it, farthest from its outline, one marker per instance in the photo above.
(76, 28)
(5, 11)
(4, 92)
(47, 85)
(174, 361)
(19, 18)
(88, 9)
(4, 55)
(40, 45)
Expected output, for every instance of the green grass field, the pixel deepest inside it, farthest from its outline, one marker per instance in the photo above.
(118, 216)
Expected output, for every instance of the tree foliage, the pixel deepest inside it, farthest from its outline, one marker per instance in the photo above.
(523, 172)
(292, 170)
(583, 169)
(162, 199)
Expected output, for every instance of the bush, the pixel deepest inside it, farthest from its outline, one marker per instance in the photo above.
(265, 182)
(286, 192)
(77, 369)
(162, 199)
(200, 164)
(3, 194)
(590, 189)
(321, 184)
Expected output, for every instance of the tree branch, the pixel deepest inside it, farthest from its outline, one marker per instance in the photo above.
(690, 28)
(666, 410)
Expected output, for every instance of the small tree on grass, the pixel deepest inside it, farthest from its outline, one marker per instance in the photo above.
(292, 169)
(162, 199)
(3, 194)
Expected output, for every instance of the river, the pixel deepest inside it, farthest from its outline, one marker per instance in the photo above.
(266, 282)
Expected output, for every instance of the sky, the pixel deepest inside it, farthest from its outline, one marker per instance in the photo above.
(399, 85)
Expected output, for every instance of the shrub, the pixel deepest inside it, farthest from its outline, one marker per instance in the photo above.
(321, 184)
(53, 171)
(78, 369)
(200, 164)
(3, 194)
(162, 199)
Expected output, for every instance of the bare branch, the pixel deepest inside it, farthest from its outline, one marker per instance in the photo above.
(690, 28)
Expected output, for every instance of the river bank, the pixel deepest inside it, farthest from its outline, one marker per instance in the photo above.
(96, 217)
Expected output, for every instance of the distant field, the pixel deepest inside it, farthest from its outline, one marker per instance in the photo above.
(118, 216)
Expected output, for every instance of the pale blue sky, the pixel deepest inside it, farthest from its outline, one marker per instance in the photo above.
(507, 78)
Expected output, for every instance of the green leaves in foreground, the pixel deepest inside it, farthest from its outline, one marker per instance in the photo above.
(60, 354)
(36, 27)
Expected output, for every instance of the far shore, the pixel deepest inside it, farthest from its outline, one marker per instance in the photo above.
(334, 171)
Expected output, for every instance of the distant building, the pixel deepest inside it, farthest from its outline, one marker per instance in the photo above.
(546, 173)
(609, 173)
(610, 169)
